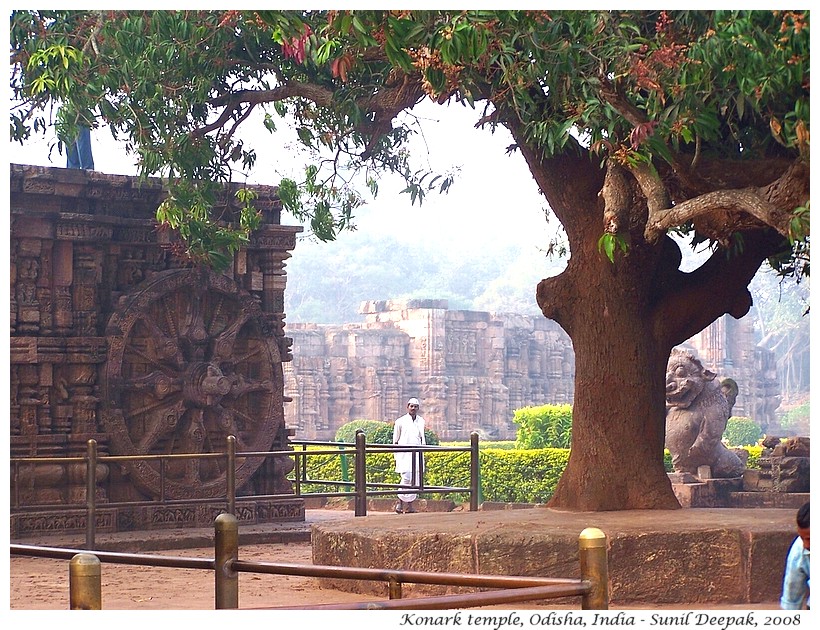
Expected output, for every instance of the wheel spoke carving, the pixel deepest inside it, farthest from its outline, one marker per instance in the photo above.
(188, 364)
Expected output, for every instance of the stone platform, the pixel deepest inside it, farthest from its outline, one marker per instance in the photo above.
(692, 557)
(709, 556)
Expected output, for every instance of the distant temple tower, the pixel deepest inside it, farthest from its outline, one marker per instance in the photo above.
(470, 369)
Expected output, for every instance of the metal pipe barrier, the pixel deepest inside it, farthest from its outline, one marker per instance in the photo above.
(361, 487)
(594, 568)
(230, 473)
(475, 480)
(91, 494)
(360, 475)
(592, 587)
(226, 553)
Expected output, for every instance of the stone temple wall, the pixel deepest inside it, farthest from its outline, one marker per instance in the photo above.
(471, 370)
(113, 338)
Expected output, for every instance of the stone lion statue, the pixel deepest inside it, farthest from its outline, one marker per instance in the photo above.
(696, 413)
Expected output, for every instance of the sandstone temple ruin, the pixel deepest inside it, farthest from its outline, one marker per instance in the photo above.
(112, 339)
(471, 370)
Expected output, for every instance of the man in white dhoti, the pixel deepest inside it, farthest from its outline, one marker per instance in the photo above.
(409, 431)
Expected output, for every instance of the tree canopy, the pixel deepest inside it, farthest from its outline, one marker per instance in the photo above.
(634, 125)
(661, 94)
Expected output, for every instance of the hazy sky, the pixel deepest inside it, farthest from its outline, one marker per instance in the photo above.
(494, 198)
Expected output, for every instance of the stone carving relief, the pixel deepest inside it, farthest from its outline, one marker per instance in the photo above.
(471, 370)
(177, 373)
(188, 365)
(696, 414)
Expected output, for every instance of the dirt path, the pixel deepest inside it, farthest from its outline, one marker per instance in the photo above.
(42, 583)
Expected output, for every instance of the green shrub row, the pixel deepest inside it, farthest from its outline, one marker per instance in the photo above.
(377, 432)
(505, 475)
(550, 426)
(742, 431)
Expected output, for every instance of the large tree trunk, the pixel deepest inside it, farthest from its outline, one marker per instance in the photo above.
(609, 312)
(616, 461)
(624, 317)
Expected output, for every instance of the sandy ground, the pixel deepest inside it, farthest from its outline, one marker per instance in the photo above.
(43, 584)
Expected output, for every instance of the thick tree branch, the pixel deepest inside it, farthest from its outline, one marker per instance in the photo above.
(400, 92)
(657, 196)
(617, 196)
(636, 117)
(772, 205)
(717, 287)
(231, 102)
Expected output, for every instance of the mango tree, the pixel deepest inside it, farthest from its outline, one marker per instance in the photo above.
(635, 125)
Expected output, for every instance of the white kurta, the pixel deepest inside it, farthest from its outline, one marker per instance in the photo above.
(409, 432)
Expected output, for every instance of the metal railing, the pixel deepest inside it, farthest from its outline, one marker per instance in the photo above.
(362, 489)
(85, 576)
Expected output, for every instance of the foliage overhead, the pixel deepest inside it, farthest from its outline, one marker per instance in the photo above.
(664, 97)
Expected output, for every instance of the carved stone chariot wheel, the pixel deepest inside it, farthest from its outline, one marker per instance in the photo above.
(190, 362)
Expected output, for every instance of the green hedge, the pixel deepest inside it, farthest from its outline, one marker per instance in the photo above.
(520, 476)
(742, 431)
(506, 476)
(544, 426)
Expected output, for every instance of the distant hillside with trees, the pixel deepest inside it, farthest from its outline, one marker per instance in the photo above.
(328, 281)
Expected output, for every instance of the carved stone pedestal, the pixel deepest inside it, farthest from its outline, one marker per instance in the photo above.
(693, 492)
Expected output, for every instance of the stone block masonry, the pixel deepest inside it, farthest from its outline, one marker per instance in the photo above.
(471, 369)
(115, 339)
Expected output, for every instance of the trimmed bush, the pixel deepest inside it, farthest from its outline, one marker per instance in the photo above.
(797, 415)
(376, 432)
(546, 426)
(506, 476)
(521, 476)
(742, 431)
(429, 437)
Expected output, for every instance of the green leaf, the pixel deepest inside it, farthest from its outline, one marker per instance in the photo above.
(606, 244)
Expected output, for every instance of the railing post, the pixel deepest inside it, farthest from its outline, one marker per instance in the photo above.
(230, 473)
(594, 568)
(360, 474)
(393, 588)
(299, 464)
(84, 582)
(91, 494)
(475, 480)
(226, 550)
